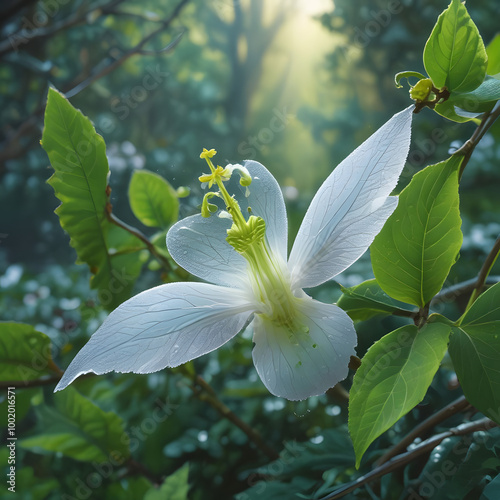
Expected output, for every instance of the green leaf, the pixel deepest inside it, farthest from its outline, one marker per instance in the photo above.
(298, 467)
(479, 100)
(486, 308)
(420, 241)
(153, 200)
(130, 488)
(460, 465)
(78, 155)
(25, 353)
(79, 429)
(33, 487)
(475, 352)
(393, 377)
(448, 110)
(438, 318)
(175, 486)
(367, 299)
(159, 240)
(492, 490)
(454, 55)
(493, 51)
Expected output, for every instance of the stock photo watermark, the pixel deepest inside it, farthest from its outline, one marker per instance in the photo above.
(38, 19)
(153, 78)
(11, 439)
(378, 23)
(254, 144)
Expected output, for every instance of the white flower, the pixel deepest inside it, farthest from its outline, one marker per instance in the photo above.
(302, 346)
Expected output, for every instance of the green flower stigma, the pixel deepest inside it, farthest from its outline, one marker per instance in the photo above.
(269, 277)
(241, 237)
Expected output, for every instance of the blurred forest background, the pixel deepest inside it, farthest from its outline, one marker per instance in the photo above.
(296, 85)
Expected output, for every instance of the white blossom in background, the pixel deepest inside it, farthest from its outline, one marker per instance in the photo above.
(302, 346)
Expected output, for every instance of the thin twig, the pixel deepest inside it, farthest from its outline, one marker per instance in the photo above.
(201, 389)
(134, 15)
(485, 271)
(129, 53)
(451, 293)
(208, 394)
(484, 424)
(142, 237)
(453, 408)
(404, 313)
(9, 152)
(78, 17)
(26, 384)
(134, 467)
(468, 148)
(39, 382)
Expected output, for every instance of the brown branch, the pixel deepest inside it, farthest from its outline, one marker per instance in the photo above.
(39, 382)
(451, 293)
(201, 389)
(129, 53)
(77, 18)
(485, 271)
(141, 236)
(484, 424)
(208, 394)
(134, 467)
(12, 149)
(468, 148)
(454, 407)
(439, 96)
(404, 313)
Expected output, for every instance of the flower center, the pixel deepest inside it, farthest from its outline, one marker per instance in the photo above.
(268, 275)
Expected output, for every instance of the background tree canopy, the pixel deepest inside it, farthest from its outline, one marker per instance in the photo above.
(295, 85)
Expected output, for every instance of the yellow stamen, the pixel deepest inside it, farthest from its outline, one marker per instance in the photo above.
(208, 154)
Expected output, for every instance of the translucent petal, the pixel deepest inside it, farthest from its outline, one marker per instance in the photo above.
(266, 200)
(352, 238)
(353, 199)
(199, 245)
(165, 326)
(305, 364)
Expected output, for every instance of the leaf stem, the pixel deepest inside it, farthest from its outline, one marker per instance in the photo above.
(404, 313)
(485, 271)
